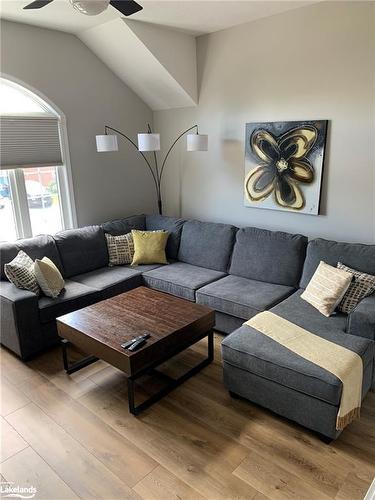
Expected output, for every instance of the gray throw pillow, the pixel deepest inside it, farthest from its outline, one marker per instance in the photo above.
(360, 287)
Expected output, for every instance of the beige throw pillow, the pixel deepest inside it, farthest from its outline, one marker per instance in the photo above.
(120, 249)
(20, 272)
(48, 277)
(326, 288)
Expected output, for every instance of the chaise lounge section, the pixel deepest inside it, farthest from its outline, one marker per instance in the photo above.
(263, 371)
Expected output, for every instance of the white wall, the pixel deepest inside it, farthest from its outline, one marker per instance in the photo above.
(175, 50)
(316, 62)
(60, 66)
(125, 48)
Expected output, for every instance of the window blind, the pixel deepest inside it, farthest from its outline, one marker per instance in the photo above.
(31, 141)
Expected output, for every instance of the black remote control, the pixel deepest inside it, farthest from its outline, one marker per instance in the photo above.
(126, 345)
(137, 345)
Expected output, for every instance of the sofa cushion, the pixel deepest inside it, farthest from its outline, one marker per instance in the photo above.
(270, 256)
(39, 247)
(111, 280)
(207, 244)
(241, 297)
(123, 226)
(361, 321)
(36, 248)
(8, 251)
(303, 314)
(180, 279)
(250, 350)
(74, 296)
(355, 255)
(144, 268)
(174, 228)
(82, 250)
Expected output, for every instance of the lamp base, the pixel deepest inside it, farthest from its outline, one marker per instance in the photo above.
(160, 207)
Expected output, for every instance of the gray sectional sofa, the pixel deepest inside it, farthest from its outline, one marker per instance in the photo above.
(237, 272)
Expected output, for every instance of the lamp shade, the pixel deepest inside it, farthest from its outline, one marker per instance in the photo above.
(149, 142)
(197, 142)
(106, 143)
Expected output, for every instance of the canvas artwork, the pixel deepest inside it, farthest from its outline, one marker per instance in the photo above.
(284, 165)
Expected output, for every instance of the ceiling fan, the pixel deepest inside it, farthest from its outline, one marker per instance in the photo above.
(94, 7)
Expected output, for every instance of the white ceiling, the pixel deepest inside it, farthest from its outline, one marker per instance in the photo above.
(138, 50)
(194, 16)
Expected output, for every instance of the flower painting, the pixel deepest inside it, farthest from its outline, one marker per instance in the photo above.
(284, 165)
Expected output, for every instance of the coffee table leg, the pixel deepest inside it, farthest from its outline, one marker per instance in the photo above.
(131, 396)
(173, 383)
(210, 340)
(73, 367)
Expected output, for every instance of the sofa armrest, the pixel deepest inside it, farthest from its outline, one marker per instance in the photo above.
(361, 321)
(19, 319)
(12, 293)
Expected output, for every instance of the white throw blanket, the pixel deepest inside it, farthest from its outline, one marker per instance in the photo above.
(345, 364)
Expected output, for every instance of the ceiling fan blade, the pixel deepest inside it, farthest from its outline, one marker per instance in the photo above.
(126, 7)
(38, 4)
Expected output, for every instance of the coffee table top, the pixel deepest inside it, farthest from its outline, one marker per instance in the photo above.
(101, 328)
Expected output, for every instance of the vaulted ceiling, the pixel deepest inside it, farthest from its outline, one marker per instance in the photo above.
(153, 52)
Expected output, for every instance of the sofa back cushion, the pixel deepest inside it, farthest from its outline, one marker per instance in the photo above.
(270, 256)
(124, 226)
(36, 248)
(355, 255)
(207, 244)
(174, 228)
(82, 250)
(8, 251)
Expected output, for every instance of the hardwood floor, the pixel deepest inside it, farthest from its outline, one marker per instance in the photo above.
(72, 437)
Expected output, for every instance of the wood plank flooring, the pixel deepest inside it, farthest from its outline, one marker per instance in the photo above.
(72, 437)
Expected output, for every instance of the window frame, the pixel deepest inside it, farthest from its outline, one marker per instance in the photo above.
(63, 172)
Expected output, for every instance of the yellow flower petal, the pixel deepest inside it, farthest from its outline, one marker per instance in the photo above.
(260, 142)
(252, 190)
(301, 170)
(298, 142)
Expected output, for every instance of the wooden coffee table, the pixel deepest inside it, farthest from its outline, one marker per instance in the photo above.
(173, 323)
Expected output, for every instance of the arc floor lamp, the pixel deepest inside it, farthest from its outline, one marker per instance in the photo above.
(151, 142)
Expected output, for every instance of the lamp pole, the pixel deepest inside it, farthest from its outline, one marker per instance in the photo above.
(155, 172)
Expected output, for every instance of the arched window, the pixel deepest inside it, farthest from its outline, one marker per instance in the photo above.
(34, 187)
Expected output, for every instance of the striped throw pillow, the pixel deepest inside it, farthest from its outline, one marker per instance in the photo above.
(361, 286)
(120, 249)
(326, 288)
(20, 272)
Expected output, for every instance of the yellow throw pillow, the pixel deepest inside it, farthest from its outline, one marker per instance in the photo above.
(48, 277)
(149, 247)
(326, 288)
